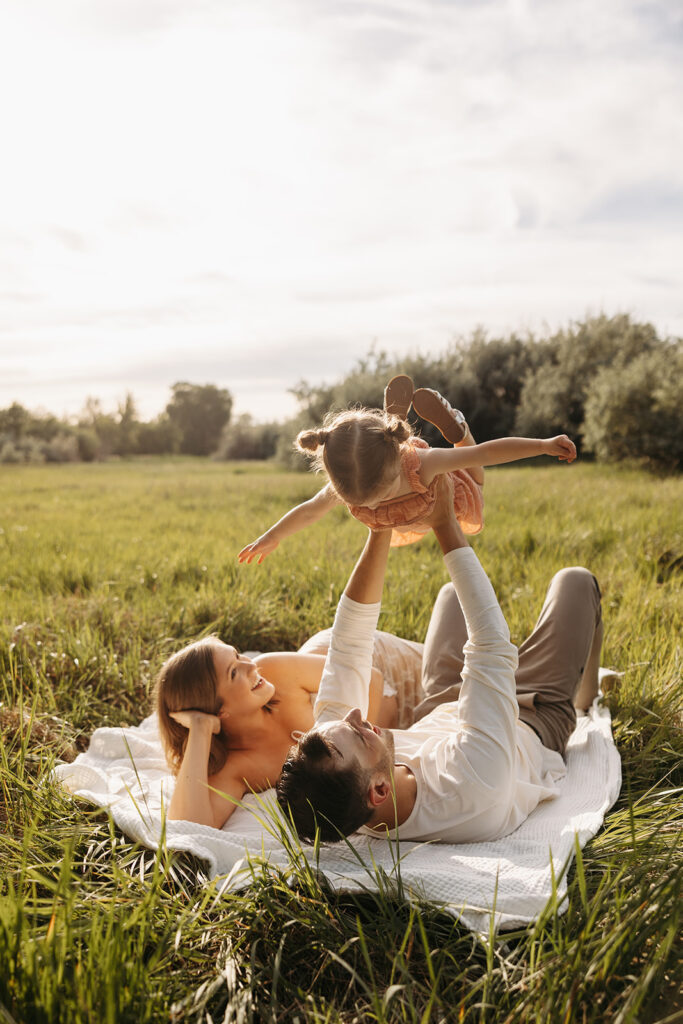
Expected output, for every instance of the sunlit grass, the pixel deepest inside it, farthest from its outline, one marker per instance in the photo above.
(107, 568)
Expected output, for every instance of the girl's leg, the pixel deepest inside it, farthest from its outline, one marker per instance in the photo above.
(433, 407)
(398, 395)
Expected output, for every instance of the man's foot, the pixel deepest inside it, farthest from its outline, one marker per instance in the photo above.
(398, 395)
(431, 406)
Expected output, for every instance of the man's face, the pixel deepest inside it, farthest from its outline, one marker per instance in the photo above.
(354, 738)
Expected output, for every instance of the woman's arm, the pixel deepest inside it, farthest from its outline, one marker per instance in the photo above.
(296, 519)
(492, 453)
(193, 799)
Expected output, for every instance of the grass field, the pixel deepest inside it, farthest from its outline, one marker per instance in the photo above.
(106, 569)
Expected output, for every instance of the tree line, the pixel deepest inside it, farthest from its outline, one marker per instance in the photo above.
(191, 424)
(611, 383)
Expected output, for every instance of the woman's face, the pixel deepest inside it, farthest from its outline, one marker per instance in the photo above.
(241, 688)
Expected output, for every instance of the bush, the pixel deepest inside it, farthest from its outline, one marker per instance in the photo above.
(88, 444)
(553, 398)
(25, 450)
(245, 439)
(62, 448)
(633, 412)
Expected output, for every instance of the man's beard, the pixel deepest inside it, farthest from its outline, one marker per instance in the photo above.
(386, 764)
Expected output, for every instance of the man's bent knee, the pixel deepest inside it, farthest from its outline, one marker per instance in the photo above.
(577, 578)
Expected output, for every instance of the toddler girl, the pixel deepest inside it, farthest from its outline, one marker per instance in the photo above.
(385, 475)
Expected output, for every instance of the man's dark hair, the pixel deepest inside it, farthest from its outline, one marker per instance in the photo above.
(320, 794)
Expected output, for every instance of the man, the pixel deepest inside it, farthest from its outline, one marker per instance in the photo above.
(490, 744)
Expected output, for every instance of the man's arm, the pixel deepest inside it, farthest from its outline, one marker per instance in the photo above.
(346, 678)
(446, 527)
(487, 705)
(366, 582)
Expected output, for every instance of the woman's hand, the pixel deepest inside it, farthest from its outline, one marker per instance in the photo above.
(258, 549)
(195, 720)
(561, 446)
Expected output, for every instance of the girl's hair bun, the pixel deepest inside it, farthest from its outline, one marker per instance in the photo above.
(310, 440)
(398, 429)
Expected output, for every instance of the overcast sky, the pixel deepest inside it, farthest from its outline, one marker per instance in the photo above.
(247, 193)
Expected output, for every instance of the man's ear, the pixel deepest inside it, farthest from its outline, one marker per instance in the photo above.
(378, 792)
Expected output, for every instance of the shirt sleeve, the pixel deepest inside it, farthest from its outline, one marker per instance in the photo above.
(488, 709)
(345, 682)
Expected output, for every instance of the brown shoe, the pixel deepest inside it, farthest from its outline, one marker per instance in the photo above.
(398, 395)
(431, 406)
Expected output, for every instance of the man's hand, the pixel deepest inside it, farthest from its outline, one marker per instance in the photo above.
(561, 446)
(442, 517)
(443, 511)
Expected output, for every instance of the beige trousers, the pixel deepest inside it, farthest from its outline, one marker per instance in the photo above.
(558, 664)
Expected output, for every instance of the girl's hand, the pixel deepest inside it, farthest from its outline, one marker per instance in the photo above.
(197, 719)
(261, 547)
(561, 446)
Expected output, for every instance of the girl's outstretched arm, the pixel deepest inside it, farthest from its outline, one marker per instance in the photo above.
(493, 453)
(296, 519)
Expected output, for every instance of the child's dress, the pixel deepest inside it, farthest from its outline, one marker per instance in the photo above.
(407, 513)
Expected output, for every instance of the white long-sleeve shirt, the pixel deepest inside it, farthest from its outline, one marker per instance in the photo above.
(479, 770)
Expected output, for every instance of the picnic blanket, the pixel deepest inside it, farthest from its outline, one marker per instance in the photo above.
(124, 769)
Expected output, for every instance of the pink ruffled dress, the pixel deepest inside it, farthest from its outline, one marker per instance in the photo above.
(406, 513)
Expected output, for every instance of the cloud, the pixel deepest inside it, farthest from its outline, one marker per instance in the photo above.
(657, 203)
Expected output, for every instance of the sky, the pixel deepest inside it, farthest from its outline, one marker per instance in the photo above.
(250, 193)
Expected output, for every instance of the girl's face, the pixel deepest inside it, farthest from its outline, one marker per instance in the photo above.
(391, 488)
(241, 688)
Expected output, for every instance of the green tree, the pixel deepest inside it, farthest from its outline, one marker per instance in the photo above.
(94, 421)
(244, 439)
(633, 411)
(200, 412)
(14, 421)
(553, 397)
(158, 437)
(129, 427)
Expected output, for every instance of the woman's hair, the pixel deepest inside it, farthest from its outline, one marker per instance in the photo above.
(360, 450)
(187, 681)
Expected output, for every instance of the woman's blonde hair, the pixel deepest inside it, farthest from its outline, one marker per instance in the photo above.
(358, 449)
(187, 681)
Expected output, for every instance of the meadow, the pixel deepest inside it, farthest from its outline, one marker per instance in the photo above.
(107, 568)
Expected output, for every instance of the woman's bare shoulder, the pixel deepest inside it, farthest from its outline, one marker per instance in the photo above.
(291, 672)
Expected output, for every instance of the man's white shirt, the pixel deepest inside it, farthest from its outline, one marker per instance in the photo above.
(479, 770)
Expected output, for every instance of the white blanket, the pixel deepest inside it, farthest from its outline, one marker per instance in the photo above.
(124, 769)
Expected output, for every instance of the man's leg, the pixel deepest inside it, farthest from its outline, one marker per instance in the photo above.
(442, 659)
(558, 664)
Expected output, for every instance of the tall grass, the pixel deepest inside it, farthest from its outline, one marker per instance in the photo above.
(105, 569)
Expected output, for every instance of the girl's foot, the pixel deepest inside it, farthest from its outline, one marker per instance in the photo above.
(431, 406)
(398, 395)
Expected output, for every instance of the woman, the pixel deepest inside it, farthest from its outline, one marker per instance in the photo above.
(226, 720)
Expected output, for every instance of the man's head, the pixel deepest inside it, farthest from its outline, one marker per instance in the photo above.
(336, 777)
